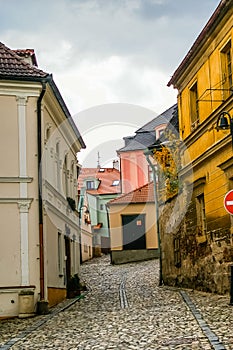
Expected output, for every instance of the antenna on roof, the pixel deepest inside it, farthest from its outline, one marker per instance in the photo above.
(98, 160)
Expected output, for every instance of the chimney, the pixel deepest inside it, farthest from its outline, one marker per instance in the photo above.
(28, 56)
(127, 139)
(115, 164)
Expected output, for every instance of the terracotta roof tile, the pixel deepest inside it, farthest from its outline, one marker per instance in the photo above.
(25, 53)
(106, 176)
(143, 194)
(13, 66)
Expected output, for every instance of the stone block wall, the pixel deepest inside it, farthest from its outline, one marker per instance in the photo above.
(191, 260)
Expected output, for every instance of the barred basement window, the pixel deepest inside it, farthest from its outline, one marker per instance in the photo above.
(201, 218)
(177, 254)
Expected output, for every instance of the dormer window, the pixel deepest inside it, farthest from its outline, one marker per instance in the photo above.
(90, 185)
(115, 182)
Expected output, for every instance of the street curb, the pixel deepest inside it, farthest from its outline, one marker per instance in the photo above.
(212, 337)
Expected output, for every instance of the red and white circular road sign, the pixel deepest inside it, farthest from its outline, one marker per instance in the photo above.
(228, 202)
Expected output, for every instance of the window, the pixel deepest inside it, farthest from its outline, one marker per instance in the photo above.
(47, 133)
(102, 206)
(65, 174)
(161, 132)
(201, 217)
(194, 108)
(58, 166)
(115, 182)
(90, 185)
(226, 62)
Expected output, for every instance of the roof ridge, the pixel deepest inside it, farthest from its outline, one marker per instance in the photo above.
(159, 115)
(24, 69)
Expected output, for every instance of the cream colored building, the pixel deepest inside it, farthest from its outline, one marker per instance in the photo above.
(39, 246)
(133, 227)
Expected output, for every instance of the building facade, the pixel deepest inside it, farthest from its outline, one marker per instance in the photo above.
(97, 186)
(39, 141)
(135, 170)
(198, 251)
(133, 228)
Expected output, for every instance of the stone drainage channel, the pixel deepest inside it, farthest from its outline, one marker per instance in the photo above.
(211, 336)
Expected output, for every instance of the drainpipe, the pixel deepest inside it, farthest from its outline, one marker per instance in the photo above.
(147, 154)
(41, 235)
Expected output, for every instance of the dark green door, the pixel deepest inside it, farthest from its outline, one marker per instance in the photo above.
(134, 232)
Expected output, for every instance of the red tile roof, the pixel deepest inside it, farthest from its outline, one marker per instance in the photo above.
(143, 194)
(106, 176)
(27, 53)
(14, 66)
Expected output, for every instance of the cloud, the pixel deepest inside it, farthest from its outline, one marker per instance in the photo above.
(107, 51)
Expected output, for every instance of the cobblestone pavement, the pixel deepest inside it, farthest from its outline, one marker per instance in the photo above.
(125, 309)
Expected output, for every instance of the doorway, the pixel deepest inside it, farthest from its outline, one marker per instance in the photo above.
(68, 258)
(134, 237)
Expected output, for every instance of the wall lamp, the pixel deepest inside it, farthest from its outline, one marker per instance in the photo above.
(225, 122)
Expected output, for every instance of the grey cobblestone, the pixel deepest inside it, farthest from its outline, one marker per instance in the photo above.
(156, 317)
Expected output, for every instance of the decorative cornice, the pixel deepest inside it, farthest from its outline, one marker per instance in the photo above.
(226, 165)
(49, 206)
(54, 191)
(199, 182)
(203, 157)
(12, 179)
(23, 203)
(207, 125)
(21, 99)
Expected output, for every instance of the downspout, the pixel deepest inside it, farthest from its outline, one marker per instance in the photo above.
(41, 235)
(147, 154)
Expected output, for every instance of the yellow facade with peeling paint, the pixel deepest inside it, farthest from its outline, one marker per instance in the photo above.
(204, 80)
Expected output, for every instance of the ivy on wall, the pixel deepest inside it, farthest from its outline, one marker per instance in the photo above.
(168, 159)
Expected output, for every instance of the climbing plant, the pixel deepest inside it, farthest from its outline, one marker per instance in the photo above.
(168, 158)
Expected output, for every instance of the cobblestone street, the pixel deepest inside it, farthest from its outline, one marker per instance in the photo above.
(125, 309)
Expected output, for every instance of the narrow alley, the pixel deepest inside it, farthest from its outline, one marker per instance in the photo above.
(125, 309)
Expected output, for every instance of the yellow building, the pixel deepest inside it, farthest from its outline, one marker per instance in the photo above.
(202, 242)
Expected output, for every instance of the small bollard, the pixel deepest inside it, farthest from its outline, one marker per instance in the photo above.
(231, 286)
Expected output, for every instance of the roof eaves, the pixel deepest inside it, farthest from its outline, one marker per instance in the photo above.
(65, 110)
(214, 20)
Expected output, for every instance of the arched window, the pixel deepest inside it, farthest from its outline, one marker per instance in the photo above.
(72, 180)
(47, 133)
(57, 157)
(65, 176)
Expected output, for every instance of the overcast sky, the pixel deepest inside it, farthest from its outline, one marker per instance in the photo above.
(107, 51)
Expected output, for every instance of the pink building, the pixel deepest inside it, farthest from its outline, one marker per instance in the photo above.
(135, 171)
